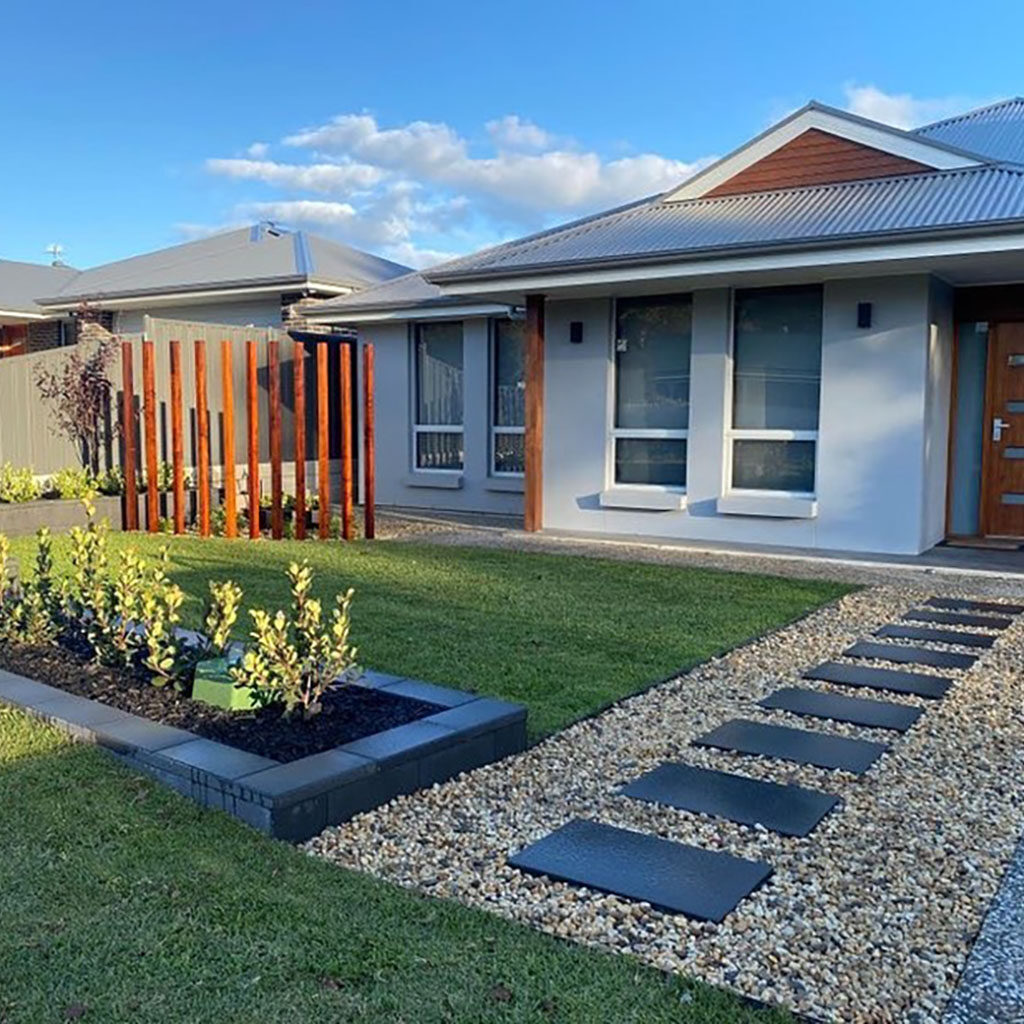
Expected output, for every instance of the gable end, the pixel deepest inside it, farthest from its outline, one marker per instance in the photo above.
(816, 157)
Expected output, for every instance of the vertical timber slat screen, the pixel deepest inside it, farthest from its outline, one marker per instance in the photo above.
(299, 398)
(131, 498)
(253, 424)
(203, 440)
(228, 445)
(347, 526)
(149, 410)
(369, 446)
(322, 441)
(177, 439)
(274, 400)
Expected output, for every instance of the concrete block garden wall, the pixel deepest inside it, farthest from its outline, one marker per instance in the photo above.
(881, 471)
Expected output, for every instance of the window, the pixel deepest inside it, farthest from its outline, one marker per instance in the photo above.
(776, 387)
(438, 433)
(508, 399)
(652, 390)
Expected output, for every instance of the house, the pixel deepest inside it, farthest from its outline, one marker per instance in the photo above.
(817, 341)
(252, 276)
(24, 324)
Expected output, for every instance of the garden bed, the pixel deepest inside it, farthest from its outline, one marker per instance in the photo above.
(24, 518)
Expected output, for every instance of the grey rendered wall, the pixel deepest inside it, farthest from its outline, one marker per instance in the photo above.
(937, 410)
(397, 483)
(260, 312)
(871, 455)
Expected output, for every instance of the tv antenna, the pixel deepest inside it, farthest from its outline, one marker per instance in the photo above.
(56, 251)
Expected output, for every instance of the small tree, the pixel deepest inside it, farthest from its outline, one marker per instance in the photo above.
(78, 394)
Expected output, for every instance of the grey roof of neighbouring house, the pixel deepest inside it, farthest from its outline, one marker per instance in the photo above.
(20, 283)
(409, 290)
(996, 131)
(248, 257)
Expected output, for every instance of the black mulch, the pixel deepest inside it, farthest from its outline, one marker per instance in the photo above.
(349, 712)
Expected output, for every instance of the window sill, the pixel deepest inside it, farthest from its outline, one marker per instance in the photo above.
(648, 499)
(441, 480)
(777, 506)
(507, 484)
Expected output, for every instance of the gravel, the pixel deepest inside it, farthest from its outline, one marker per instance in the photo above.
(870, 918)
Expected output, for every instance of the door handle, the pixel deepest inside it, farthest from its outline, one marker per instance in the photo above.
(998, 426)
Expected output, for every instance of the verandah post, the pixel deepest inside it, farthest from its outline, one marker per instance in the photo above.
(322, 440)
(369, 447)
(177, 439)
(347, 512)
(253, 437)
(533, 503)
(131, 497)
(299, 401)
(274, 401)
(203, 440)
(228, 448)
(149, 413)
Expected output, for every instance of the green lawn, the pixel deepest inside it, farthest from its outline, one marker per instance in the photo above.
(566, 635)
(122, 901)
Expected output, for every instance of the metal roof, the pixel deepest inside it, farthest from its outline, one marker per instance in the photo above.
(996, 131)
(20, 283)
(259, 255)
(410, 289)
(931, 202)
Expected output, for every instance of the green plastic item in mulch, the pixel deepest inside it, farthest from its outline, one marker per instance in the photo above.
(213, 685)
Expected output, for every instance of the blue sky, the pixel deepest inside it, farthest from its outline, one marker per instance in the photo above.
(421, 130)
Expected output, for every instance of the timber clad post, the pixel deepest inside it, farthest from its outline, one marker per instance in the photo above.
(274, 401)
(253, 428)
(534, 435)
(203, 440)
(228, 447)
(299, 399)
(347, 512)
(149, 410)
(369, 446)
(322, 439)
(131, 498)
(177, 439)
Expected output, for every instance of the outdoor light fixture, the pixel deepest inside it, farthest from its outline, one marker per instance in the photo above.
(576, 332)
(863, 314)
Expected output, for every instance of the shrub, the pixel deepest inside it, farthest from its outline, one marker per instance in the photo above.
(32, 610)
(111, 481)
(161, 602)
(18, 485)
(294, 663)
(73, 483)
(221, 615)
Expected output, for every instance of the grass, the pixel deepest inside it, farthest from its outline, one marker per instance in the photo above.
(122, 901)
(564, 635)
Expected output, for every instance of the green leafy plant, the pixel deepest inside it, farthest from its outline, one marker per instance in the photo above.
(294, 662)
(73, 483)
(159, 615)
(18, 485)
(32, 609)
(111, 481)
(222, 610)
(8, 591)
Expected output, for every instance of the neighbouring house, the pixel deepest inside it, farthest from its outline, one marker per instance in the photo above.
(817, 341)
(25, 326)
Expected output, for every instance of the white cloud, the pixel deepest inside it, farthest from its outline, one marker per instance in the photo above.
(512, 132)
(258, 150)
(333, 178)
(903, 110)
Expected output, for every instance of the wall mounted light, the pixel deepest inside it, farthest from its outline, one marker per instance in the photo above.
(576, 332)
(863, 314)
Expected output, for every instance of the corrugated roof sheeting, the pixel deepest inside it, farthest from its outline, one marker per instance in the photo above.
(996, 131)
(880, 206)
(21, 283)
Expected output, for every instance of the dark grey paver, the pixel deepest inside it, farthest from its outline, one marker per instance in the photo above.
(801, 745)
(216, 758)
(671, 876)
(975, 606)
(483, 713)
(910, 655)
(75, 710)
(26, 692)
(957, 619)
(308, 776)
(139, 734)
(789, 810)
(891, 679)
(443, 696)
(939, 636)
(875, 714)
(399, 743)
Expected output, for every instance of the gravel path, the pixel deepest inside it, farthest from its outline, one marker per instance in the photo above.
(870, 918)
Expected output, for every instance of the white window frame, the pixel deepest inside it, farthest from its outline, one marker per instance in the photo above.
(434, 428)
(495, 430)
(733, 434)
(615, 434)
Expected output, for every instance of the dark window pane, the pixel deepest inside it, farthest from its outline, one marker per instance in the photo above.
(509, 374)
(439, 373)
(773, 465)
(438, 451)
(652, 363)
(509, 453)
(649, 461)
(777, 359)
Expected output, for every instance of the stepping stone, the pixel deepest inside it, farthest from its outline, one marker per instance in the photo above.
(939, 636)
(876, 714)
(800, 745)
(896, 681)
(789, 810)
(975, 606)
(957, 619)
(670, 876)
(910, 655)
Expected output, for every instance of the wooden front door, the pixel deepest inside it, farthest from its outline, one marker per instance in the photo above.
(1002, 486)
